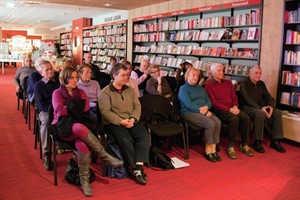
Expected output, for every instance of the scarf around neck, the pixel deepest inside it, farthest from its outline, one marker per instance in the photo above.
(67, 96)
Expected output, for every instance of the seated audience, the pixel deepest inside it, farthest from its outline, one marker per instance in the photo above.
(23, 72)
(68, 63)
(120, 109)
(141, 75)
(260, 106)
(158, 85)
(91, 88)
(43, 90)
(195, 105)
(80, 133)
(33, 78)
(225, 106)
(131, 82)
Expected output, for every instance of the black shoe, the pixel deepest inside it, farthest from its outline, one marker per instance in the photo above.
(277, 146)
(139, 176)
(257, 147)
(210, 157)
(217, 157)
(47, 165)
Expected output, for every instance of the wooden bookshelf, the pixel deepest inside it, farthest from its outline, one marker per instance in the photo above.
(198, 36)
(66, 44)
(104, 41)
(288, 92)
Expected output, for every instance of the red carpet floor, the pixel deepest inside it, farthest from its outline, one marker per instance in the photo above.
(265, 176)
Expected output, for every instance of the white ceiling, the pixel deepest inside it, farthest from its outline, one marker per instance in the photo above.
(44, 15)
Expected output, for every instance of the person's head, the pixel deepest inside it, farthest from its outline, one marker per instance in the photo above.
(27, 61)
(69, 63)
(68, 77)
(255, 73)
(191, 76)
(85, 72)
(112, 60)
(144, 64)
(47, 69)
(119, 74)
(128, 68)
(186, 65)
(155, 71)
(217, 71)
(37, 64)
(88, 58)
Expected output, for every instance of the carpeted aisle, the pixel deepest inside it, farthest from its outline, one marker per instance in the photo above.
(265, 176)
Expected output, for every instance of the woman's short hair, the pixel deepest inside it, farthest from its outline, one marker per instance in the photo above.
(190, 70)
(65, 75)
(154, 67)
(116, 68)
(81, 67)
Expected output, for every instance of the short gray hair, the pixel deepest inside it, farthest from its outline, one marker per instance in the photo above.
(37, 64)
(214, 66)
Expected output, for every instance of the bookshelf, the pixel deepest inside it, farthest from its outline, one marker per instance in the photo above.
(288, 93)
(227, 33)
(104, 41)
(66, 44)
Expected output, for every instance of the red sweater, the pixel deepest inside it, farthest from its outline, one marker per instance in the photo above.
(221, 94)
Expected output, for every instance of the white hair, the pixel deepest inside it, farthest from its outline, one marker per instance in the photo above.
(214, 66)
(37, 64)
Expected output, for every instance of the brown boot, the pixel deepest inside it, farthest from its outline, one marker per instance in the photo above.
(91, 141)
(84, 173)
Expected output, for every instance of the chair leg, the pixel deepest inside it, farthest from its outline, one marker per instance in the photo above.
(28, 114)
(18, 103)
(54, 162)
(34, 121)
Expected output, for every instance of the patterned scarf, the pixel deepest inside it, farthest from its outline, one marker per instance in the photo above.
(67, 96)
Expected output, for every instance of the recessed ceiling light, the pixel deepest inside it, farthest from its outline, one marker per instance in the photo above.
(10, 5)
(44, 20)
(107, 4)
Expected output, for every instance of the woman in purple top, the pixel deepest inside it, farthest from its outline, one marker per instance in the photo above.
(81, 135)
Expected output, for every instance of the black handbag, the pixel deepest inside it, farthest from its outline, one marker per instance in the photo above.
(64, 126)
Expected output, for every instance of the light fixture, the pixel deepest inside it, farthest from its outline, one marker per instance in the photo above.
(108, 5)
(10, 5)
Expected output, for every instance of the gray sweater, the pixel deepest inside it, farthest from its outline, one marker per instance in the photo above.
(116, 106)
(21, 73)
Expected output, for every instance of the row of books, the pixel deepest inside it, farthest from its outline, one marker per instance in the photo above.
(66, 53)
(65, 41)
(251, 53)
(66, 47)
(236, 70)
(292, 16)
(166, 49)
(292, 37)
(290, 98)
(66, 36)
(109, 52)
(105, 31)
(99, 58)
(290, 78)
(292, 57)
(100, 39)
(251, 18)
(251, 33)
(109, 45)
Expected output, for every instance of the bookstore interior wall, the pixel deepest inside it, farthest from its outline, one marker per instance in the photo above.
(227, 33)
(270, 37)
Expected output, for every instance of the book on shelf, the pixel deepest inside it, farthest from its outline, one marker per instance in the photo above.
(251, 33)
(236, 34)
(204, 35)
(230, 52)
(227, 34)
(292, 37)
(246, 53)
(290, 78)
(295, 99)
(228, 69)
(244, 34)
(285, 98)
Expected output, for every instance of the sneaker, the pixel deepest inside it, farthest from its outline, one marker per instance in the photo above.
(246, 150)
(230, 153)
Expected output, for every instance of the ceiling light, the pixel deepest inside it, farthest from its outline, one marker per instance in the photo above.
(29, 3)
(10, 5)
(44, 20)
(107, 4)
